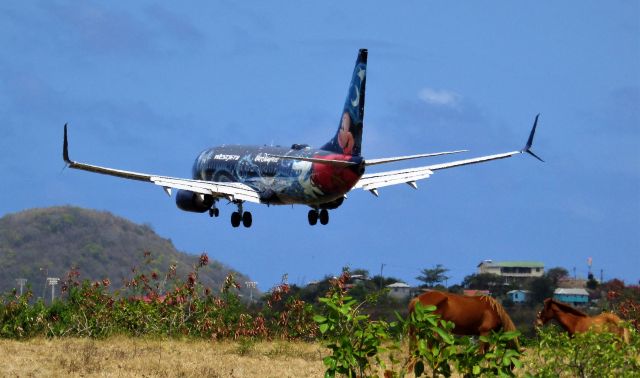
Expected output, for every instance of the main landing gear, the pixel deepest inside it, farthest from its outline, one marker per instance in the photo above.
(237, 217)
(315, 215)
(241, 216)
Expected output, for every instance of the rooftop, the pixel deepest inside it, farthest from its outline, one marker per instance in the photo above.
(398, 284)
(513, 264)
(518, 291)
(571, 291)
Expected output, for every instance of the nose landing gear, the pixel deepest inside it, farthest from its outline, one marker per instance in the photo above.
(214, 212)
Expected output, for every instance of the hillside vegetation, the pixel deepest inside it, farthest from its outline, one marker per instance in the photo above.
(48, 242)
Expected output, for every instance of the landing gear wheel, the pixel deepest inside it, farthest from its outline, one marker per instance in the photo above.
(324, 216)
(247, 219)
(214, 212)
(313, 217)
(235, 219)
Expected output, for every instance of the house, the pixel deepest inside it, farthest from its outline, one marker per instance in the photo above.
(573, 296)
(514, 269)
(518, 296)
(399, 290)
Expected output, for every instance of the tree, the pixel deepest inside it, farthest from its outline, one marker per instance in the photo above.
(592, 283)
(556, 274)
(486, 281)
(434, 276)
(540, 289)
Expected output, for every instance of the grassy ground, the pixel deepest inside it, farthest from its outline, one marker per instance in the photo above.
(125, 357)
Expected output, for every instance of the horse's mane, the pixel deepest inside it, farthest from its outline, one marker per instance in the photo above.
(566, 308)
(507, 323)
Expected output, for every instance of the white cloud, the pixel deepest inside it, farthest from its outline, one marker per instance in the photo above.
(440, 97)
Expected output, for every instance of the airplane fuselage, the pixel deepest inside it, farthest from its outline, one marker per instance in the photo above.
(278, 180)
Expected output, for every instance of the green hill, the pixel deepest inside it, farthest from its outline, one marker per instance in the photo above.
(40, 243)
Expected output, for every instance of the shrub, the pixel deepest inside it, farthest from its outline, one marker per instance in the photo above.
(586, 354)
(358, 345)
(433, 346)
(354, 340)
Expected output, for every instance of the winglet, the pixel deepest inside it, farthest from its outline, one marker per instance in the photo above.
(65, 147)
(527, 147)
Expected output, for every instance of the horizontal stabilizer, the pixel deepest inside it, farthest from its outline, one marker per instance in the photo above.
(409, 157)
(335, 163)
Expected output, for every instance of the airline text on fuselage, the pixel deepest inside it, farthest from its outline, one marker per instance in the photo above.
(226, 157)
(263, 158)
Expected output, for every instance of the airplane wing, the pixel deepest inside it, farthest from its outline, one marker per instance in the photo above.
(233, 191)
(373, 181)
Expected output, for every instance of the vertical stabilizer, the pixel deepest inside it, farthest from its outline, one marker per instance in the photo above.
(348, 138)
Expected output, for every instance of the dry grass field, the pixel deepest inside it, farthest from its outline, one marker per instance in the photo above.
(128, 357)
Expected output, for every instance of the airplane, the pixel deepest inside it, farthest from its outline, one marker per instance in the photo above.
(316, 177)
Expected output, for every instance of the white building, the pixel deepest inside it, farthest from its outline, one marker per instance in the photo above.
(516, 269)
(399, 290)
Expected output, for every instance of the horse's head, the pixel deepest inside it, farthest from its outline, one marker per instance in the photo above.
(545, 314)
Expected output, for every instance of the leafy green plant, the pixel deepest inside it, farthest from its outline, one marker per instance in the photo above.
(431, 343)
(500, 358)
(433, 348)
(354, 340)
(19, 318)
(586, 354)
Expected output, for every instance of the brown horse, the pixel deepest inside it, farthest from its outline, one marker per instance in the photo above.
(477, 315)
(575, 321)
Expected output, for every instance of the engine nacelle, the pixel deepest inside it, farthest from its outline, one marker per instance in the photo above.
(195, 202)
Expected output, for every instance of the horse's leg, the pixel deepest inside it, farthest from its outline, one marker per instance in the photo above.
(482, 346)
(489, 323)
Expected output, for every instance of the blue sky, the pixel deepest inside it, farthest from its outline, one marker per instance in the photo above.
(147, 86)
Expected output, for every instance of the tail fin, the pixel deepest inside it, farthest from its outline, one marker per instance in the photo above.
(348, 138)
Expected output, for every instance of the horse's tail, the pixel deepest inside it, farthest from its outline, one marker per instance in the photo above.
(505, 319)
(619, 327)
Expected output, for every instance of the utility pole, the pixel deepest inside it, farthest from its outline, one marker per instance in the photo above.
(381, 278)
(52, 281)
(21, 282)
(251, 285)
(45, 273)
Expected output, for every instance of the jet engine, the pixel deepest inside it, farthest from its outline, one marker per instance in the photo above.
(195, 202)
